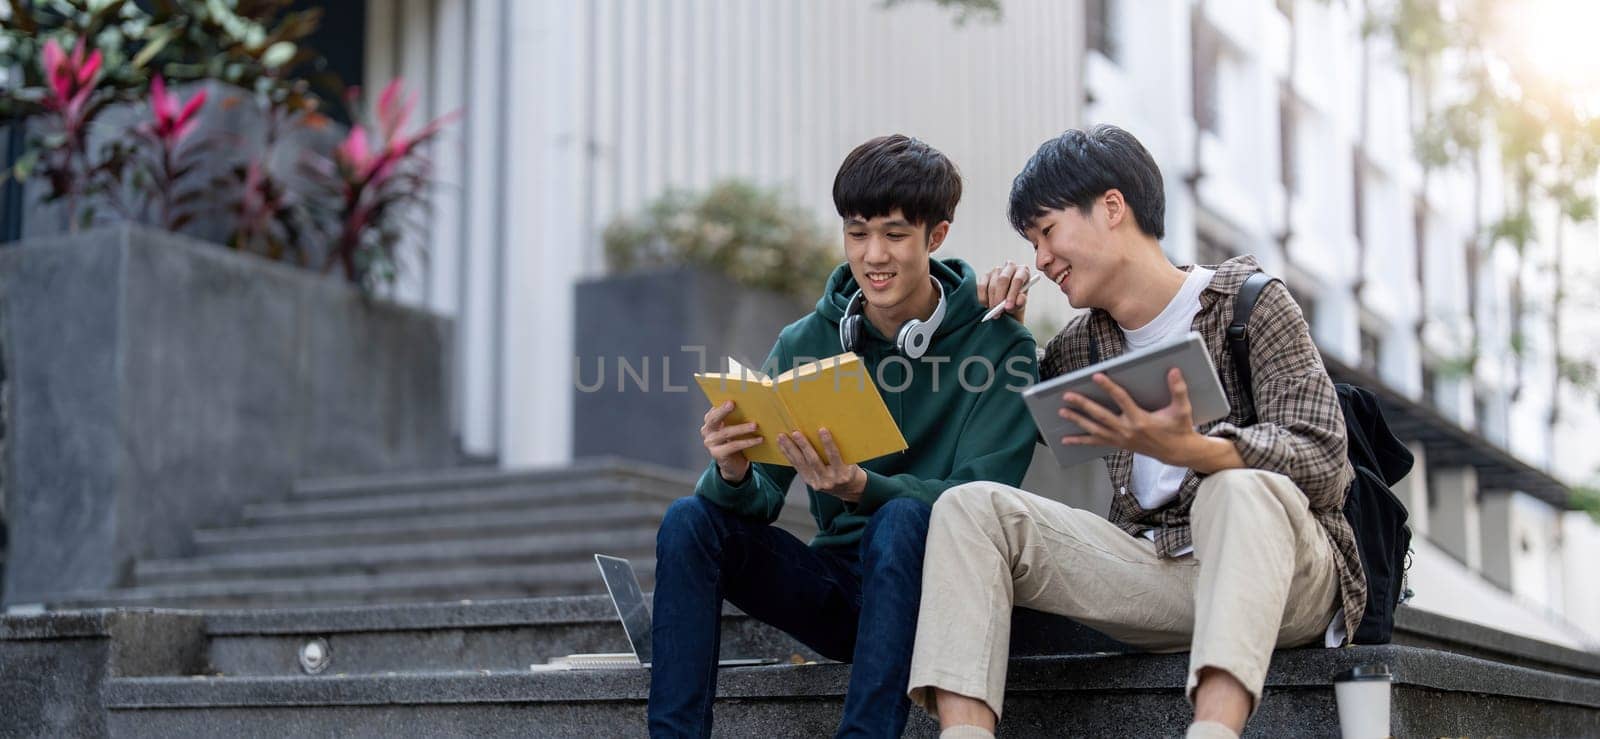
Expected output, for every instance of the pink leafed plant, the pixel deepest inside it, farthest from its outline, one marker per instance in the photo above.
(375, 173)
(72, 79)
(72, 100)
(266, 213)
(168, 162)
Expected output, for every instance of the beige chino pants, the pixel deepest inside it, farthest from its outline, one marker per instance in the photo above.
(1262, 575)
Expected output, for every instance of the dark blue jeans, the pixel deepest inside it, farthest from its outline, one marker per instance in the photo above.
(854, 604)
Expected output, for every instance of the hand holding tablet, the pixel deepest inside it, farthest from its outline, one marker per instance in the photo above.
(1083, 415)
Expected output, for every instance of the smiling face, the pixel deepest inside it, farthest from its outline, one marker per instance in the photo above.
(888, 256)
(1076, 252)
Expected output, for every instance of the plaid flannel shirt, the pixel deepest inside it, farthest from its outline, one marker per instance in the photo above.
(1298, 432)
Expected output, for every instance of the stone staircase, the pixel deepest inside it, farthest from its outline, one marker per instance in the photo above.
(462, 669)
(469, 533)
(262, 598)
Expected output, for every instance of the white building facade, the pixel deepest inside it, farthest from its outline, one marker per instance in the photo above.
(1281, 129)
(1285, 131)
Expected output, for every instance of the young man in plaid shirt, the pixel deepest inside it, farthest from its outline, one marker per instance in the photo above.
(1225, 539)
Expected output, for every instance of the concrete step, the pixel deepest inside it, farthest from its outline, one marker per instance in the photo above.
(507, 499)
(429, 527)
(510, 635)
(489, 477)
(576, 577)
(507, 635)
(1435, 694)
(459, 500)
(382, 558)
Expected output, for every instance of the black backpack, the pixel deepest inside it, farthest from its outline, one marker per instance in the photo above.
(1380, 460)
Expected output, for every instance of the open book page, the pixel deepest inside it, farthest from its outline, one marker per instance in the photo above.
(735, 369)
(837, 394)
(834, 393)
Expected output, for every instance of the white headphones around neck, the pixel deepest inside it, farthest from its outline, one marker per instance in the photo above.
(914, 336)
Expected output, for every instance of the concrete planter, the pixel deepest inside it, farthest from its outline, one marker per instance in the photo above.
(639, 340)
(155, 383)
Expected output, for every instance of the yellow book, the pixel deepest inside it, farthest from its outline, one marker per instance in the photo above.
(834, 393)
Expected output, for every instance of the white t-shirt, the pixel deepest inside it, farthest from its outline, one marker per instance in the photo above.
(1155, 484)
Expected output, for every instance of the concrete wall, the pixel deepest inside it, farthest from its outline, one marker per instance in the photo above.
(1412, 490)
(1580, 551)
(1454, 516)
(665, 326)
(157, 383)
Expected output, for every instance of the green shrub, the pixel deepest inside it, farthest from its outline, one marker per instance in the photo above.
(751, 234)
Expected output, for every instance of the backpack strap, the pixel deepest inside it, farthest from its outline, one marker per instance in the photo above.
(1238, 344)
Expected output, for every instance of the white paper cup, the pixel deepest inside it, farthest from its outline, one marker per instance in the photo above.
(1363, 697)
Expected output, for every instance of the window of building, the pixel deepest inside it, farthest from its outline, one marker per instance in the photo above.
(1371, 351)
(1100, 24)
(1480, 412)
(1430, 385)
(1207, 47)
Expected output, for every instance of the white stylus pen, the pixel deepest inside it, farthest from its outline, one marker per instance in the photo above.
(1001, 308)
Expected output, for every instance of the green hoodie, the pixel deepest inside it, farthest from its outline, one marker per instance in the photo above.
(955, 434)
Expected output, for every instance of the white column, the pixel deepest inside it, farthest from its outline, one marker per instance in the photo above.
(415, 65)
(477, 332)
(446, 234)
(543, 195)
(381, 39)
(448, 95)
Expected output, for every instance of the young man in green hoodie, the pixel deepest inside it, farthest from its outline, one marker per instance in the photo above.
(950, 382)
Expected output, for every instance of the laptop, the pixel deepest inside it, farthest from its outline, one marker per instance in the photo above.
(628, 598)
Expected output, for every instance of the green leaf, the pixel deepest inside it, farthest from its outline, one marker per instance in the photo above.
(25, 165)
(152, 48)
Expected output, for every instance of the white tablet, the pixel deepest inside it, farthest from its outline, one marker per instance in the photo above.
(1143, 374)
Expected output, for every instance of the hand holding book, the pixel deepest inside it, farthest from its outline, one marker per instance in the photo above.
(827, 474)
(727, 443)
(834, 394)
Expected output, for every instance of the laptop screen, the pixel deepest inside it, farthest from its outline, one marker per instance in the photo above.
(629, 600)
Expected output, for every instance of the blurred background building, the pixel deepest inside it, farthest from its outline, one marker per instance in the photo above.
(391, 494)
(1287, 129)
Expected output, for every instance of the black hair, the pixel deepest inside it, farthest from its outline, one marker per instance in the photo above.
(1077, 167)
(901, 172)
